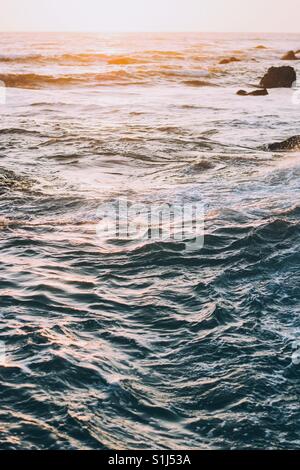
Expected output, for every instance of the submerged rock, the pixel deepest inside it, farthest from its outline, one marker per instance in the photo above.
(279, 77)
(198, 83)
(242, 93)
(293, 143)
(9, 180)
(202, 165)
(289, 56)
(261, 47)
(262, 92)
(228, 60)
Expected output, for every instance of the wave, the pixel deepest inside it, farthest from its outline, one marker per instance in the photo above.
(90, 58)
(154, 53)
(32, 80)
(125, 60)
(70, 59)
(120, 77)
(18, 130)
(83, 58)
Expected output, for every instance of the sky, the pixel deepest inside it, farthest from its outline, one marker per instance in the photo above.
(150, 15)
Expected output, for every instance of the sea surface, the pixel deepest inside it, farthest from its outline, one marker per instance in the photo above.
(106, 344)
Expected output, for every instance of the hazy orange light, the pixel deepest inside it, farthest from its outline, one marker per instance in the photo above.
(149, 15)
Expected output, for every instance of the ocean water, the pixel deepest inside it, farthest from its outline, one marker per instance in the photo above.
(106, 344)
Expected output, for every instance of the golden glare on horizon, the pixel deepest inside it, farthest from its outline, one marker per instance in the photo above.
(150, 15)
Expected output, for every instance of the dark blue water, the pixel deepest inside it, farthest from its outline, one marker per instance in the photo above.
(147, 345)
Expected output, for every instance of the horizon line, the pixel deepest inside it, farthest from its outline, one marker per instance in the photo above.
(144, 32)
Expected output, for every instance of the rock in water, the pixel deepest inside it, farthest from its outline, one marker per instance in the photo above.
(289, 56)
(262, 92)
(229, 60)
(279, 77)
(293, 143)
(10, 181)
(198, 83)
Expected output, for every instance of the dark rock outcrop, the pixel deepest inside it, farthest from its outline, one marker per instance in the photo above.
(289, 56)
(261, 47)
(293, 143)
(279, 77)
(228, 60)
(262, 92)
